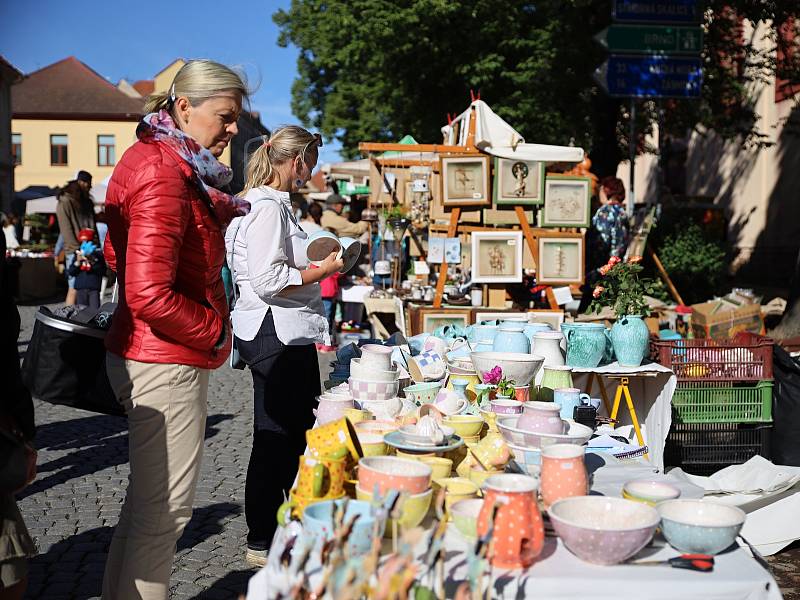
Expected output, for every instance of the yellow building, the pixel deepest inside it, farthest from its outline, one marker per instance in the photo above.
(66, 117)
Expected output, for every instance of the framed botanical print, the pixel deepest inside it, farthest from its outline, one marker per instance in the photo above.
(496, 256)
(432, 319)
(480, 317)
(560, 258)
(465, 180)
(567, 201)
(518, 181)
(554, 318)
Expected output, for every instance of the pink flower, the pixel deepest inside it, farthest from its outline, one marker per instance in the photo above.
(493, 376)
(614, 260)
(605, 269)
(597, 291)
(635, 259)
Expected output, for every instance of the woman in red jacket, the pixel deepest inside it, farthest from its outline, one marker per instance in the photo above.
(166, 219)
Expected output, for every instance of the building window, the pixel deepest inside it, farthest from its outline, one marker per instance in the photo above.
(105, 150)
(16, 148)
(58, 150)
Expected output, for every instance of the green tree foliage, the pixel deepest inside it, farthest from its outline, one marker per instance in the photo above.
(695, 263)
(378, 69)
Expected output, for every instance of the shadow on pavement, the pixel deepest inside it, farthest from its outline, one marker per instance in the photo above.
(228, 587)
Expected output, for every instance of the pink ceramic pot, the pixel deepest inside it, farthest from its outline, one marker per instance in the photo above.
(393, 473)
(331, 408)
(541, 417)
(563, 473)
(506, 407)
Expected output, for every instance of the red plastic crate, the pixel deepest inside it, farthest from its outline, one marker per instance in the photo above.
(746, 357)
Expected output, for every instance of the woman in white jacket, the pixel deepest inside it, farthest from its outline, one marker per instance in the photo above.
(277, 319)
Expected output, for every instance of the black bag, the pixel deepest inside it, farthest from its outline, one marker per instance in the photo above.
(66, 364)
(786, 409)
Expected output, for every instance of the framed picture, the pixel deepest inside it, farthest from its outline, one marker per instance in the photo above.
(567, 201)
(518, 181)
(554, 318)
(496, 256)
(435, 318)
(465, 181)
(480, 317)
(560, 258)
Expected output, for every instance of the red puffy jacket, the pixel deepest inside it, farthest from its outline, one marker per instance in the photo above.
(168, 250)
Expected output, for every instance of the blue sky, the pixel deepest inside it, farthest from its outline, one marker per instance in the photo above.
(135, 40)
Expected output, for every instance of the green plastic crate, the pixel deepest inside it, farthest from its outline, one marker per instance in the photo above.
(722, 403)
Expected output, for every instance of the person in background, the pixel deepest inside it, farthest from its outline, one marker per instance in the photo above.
(277, 319)
(333, 221)
(74, 211)
(9, 224)
(311, 220)
(88, 268)
(329, 287)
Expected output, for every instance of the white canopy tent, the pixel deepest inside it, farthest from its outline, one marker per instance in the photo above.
(47, 205)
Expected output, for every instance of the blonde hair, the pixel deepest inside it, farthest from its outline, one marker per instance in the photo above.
(285, 144)
(198, 80)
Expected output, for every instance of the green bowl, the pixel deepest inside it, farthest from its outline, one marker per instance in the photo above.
(465, 516)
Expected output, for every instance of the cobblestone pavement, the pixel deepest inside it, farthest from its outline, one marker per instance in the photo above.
(74, 503)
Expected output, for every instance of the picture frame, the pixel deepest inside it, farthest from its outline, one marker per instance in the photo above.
(552, 317)
(519, 182)
(433, 318)
(567, 201)
(503, 316)
(560, 258)
(464, 180)
(496, 256)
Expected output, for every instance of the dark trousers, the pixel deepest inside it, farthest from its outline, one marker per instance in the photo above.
(285, 384)
(90, 298)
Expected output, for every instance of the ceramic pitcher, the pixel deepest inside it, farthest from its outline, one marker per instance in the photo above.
(548, 345)
(554, 378)
(563, 473)
(568, 399)
(586, 344)
(511, 338)
(518, 535)
(630, 336)
(541, 417)
(531, 329)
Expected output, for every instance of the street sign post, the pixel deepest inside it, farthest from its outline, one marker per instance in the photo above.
(651, 76)
(652, 39)
(656, 11)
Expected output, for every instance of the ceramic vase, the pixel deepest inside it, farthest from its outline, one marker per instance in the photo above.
(511, 338)
(531, 329)
(563, 473)
(479, 333)
(459, 386)
(630, 337)
(482, 393)
(541, 417)
(553, 379)
(518, 535)
(548, 345)
(586, 344)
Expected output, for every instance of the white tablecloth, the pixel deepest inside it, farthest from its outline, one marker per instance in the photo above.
(651, 395)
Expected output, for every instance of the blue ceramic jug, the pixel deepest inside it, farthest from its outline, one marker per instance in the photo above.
(478, 333)
(630, 338)
(586, 344)
(511, 338)
(532, 329)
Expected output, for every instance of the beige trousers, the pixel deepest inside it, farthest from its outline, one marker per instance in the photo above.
(166, 407)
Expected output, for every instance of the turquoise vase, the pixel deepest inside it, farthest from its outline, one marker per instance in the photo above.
(511, 338)
(586, 344)
(630, 337)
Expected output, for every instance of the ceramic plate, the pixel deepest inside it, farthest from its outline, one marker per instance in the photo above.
(396, 439)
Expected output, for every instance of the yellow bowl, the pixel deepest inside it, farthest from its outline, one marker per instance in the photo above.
(455, 489)
(441, 467)
(412, 510)
(466, 426)
(478, 474)
(372, 444)
(413, 455)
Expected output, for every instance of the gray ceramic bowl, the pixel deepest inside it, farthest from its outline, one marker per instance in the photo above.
(700, 527)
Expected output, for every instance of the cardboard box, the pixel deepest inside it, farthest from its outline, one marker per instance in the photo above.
(719, 319)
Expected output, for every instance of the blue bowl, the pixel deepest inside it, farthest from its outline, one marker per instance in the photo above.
(700, 527)
(318, 521)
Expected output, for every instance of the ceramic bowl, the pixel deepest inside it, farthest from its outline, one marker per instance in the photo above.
(423, 393)
(393, 473)
(440, 466)
(376, 356)
(379, 427)
(366, 389)
(520, 367)
(649, 491)
(410, 434)
(465, 425)
(602, 530)
(529, 459)
(351, 250)
(412, 511)
(455, 489)
(368, 371)
(385, 410)
(700, 527)
(372, 444)
(577, 434)
(506, 407)
(465, 517)
(319, 246)
(318, 521)
(332, 408)
(478, 475)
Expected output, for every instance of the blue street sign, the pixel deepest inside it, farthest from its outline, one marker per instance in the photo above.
(651, 76)
(657, 11)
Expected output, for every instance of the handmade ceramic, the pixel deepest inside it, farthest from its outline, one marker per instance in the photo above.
(397, 440)
(464, 515)
(576, 434)
(351, 250)
(563, 473)
(296, 505)
(427, 366)
(518, 535)
(318, 520)
(379, 426)
(359, 370)
(532, 329)
(553, 378)
(334, 439)
(376, 356)
(365, 389)
(423, 434)
(455, 489)
(511, 337)
(541, 417)
(485, 345)
(459, 348)
(481, 333)
(630, 338)
(392, 473)
(372, 444)
(435, 345)
(522, 393)
(423, 393)
(320, 244)
(603, 530)
(478, 475)
(528, 459)
(548, 345)
(466, 426)
(502, 406)
(416, 343)
(440, 466)
(386, 409)
(491, 452)
(332, 408)
(568, 399)
(459, 386)
(449, 402)
(320, 477)
(649, 491)
(412, 508)
(698, 526)
(586, 344)
(358, 415)
(482, 393)
(520, 368)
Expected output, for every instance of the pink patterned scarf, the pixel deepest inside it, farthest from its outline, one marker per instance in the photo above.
(209, 172)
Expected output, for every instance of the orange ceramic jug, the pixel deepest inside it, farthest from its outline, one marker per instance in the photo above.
(563, 473)
(518, 535)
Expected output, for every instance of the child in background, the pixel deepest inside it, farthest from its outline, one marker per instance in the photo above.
(88, 270)
(329, 289)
